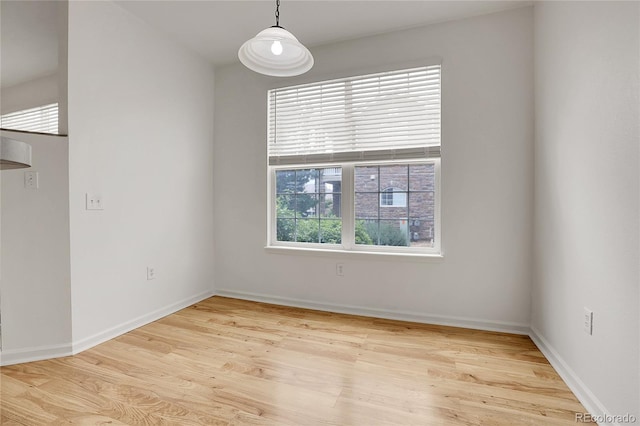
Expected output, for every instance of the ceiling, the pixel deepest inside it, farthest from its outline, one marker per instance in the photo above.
(216, 29)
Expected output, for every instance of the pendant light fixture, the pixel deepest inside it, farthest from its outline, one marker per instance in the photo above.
(14, 154)
(276, 52)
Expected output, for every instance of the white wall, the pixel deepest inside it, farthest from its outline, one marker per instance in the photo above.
(141, 135)
(586, 197)
(31, 94)
(487, 182)
(34, 253)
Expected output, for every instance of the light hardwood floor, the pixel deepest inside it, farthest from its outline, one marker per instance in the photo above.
(232, 362)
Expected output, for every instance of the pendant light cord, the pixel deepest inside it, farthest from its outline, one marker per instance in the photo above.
(277, 13)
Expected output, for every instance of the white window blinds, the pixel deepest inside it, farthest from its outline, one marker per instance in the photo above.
(388, 115)
(42, 119)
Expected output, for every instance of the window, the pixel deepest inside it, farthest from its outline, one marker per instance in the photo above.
(308, 205)
(397, 222)
(43, 119)
(354, 163)
(393, 197)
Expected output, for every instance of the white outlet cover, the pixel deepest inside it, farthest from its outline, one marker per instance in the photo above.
(588, 321)
(31, 180)
(94, 202)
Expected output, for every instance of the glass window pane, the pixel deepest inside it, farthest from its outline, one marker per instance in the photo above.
(285, 181)
(364, 230)
(419, 202)
(303, 197)
(330, 180)
(307, 180)
(396, 211)
(421, 232)
(399, 199)
(366, 179)
(395, 176)
(330, 231)
(367, 232)
(393, 233)
(367, 205)
(286, 229)
(306, 205)
(307, 231)
(402, 213)
(393, 197)
(383, 232)
(285, 206)
(422, 177)
(329, 205)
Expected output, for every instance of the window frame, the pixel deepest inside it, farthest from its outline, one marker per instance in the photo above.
(348, 211)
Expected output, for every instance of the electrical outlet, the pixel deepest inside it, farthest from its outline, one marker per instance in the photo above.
(151, 273)
(340, 269)
(94, 202)
(588, 321)
(31, 180)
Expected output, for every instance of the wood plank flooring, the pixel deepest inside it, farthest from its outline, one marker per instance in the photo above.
(231, 362)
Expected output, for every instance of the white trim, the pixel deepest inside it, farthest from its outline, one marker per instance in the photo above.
(348, 209)
(352, 254)
(437, 225)
(577, 386)
(103, 336)
(19, 356)
(486, 325)
(37, 353)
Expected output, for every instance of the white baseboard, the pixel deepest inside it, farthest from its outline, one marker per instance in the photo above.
(475, 324)
(103, 336)
(19, 356)
(577, 386)
(38, 353)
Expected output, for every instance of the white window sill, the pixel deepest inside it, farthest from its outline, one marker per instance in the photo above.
(355, 254)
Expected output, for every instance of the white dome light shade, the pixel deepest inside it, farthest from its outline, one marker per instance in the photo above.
(276, 52)
(14, 154)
